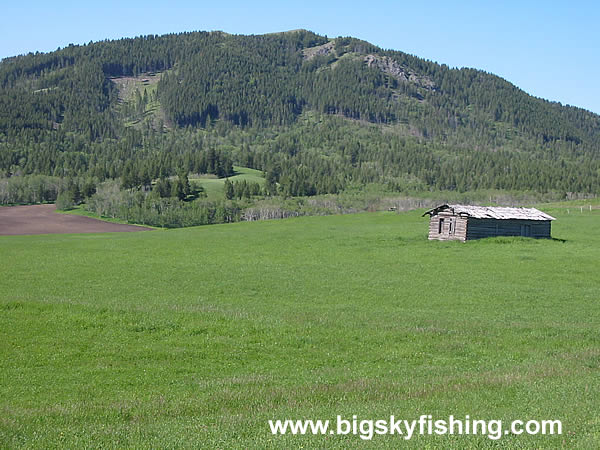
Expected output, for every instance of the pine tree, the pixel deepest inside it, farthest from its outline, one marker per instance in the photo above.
(178, 189)
(229, 189)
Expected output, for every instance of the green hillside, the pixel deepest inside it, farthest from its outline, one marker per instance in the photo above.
(317, 114)
(197, 337)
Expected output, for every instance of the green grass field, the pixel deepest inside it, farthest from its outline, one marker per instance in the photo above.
(196, 337)
(215, 187)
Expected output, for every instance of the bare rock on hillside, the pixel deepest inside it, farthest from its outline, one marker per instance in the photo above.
(393, 68)
(325, 49)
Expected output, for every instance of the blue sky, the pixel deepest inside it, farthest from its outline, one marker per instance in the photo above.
(550, 48)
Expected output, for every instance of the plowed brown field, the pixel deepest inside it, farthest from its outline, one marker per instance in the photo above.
(42, 219)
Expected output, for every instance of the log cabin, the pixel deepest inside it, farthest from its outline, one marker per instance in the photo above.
(465, 222)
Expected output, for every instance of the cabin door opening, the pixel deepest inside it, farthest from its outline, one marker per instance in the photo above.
(526, 230)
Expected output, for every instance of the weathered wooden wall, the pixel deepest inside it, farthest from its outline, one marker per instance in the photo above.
(482, 228)
(458, 232)
(470, 228)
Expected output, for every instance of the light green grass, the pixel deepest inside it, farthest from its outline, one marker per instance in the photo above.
(196, 337)
(215, 187)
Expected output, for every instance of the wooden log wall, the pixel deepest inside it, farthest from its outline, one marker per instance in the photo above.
(453, 227)
(461, 228)
(482, 228)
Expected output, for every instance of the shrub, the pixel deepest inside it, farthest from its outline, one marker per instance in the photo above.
(65, 201)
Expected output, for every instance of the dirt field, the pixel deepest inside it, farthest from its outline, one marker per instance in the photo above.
(41, 219)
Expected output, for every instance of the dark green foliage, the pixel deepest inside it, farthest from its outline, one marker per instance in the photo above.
(163, 188)
(177, 190)
(30, 189)
(156, 209)
(270, 183)
(180, 188)
(265, 102)
(65, 201)
(242, 189)
(229, 190)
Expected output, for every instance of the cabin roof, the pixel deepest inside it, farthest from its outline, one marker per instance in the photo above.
(492, 212)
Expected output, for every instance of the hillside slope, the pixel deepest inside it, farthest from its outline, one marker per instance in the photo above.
(64, 113)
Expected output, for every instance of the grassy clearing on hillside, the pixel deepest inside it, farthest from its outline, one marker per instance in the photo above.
(128, 86)
(214, 187)
(196, 337)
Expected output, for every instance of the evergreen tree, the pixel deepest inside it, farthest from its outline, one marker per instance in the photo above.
(229, 189)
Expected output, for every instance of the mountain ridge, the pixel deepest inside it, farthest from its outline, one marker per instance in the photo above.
(284, 32)
(63, 109)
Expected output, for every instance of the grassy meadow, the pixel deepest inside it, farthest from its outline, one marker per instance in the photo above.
(215, 187)
(196, 337)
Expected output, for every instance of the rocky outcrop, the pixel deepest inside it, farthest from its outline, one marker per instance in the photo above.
(325, 49)
(393, 68)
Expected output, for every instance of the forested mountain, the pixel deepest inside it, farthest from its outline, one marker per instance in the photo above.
(316, 114)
